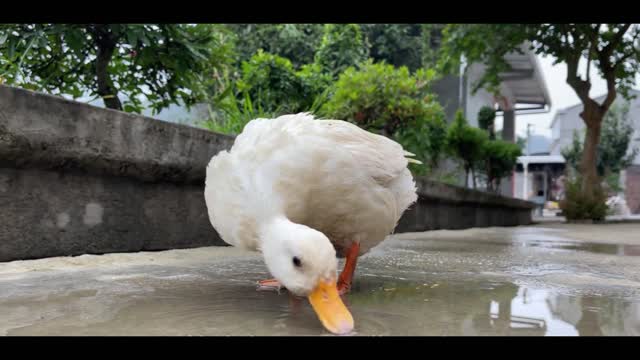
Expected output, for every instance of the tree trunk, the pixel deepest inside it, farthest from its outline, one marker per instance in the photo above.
(105, 48)
(466, 176)
(473, 177)
(590, 179)
(489, 176)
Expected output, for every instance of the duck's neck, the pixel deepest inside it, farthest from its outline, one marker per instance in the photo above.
(276, 227)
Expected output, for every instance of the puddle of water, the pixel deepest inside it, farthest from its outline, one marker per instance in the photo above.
(527, 239)
(381, 306)
(504, 282)
(610, 249)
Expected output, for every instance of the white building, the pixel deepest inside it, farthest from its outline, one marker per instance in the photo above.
(523, 90)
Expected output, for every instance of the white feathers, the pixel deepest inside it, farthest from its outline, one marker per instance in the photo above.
(329, 175)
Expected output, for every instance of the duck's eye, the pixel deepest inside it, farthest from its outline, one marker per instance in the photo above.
(296, 261)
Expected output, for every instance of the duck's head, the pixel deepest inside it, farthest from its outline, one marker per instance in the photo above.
(304, 261)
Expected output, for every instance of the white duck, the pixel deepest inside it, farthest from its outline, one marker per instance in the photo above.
(303, 192)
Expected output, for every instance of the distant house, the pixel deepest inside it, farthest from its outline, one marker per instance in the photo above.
(523, 90)
(539, 176)
(568, 120)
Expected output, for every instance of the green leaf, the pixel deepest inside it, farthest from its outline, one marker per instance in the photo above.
(12, 49)
(132, 38)
(130, 108)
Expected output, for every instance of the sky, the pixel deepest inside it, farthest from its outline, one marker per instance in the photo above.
(562, 96)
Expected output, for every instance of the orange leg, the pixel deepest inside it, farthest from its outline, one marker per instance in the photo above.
(270, 284)
(346, 277)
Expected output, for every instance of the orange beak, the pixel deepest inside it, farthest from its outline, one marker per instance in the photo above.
(331, 311)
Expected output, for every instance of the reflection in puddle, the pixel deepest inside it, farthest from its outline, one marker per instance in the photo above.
(469, 308)
(381, 307)
(612, 249)
(527, 239)
(530, 311)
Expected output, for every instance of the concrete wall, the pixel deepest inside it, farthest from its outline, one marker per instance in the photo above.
(448, 91)
(632, 188)
(78, 179)
(442, 206)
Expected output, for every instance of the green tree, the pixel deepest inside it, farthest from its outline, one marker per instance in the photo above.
(498, 157)
(498, 160)
(396, 44)
(573, 152)
(614, 152)
(411, 45)
(342, 46)
(165, 63)
(466, 143)
(296, 42)
(611, 48)
(432, 39)
(486, 120)
(271, 83)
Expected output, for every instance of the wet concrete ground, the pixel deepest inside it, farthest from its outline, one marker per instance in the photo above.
(549, 279)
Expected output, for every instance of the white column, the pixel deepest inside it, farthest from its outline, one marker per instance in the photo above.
(525, 167)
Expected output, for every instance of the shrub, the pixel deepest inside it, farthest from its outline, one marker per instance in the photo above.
(379, 97)
(578, 205)
(498, 160)
(466, 143)
(392, 102)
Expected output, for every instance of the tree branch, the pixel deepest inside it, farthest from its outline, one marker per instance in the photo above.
(593, 45)
(589, 51)
(634, 50)
(105, 47)
(611, 90)
(609, 69)
(605, 55)
(581, 87)
(616, 40)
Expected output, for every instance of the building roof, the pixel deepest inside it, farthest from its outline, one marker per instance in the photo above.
(541, 159)
(525, 80)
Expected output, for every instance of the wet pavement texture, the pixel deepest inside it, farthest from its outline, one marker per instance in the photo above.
(548, 279)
